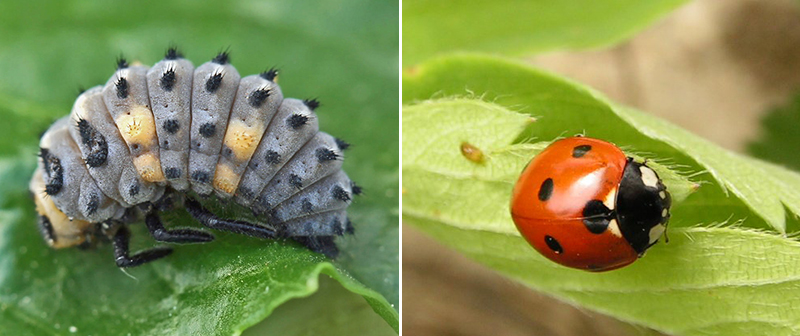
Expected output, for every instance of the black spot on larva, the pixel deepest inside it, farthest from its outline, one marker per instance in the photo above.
(326, 154)
(122, 63)
(168, 79)
(258, 97)
(272, 157)
(245, 192)
(270, 74)
(214, 82)
(295, 181)
(200, 176)
(596, 216)
(208, 129)
(81, 90)
(295, 121)
(343, 145)
(307, 206)
(355, 188)
(337, 227)
(46, 229)
(173, 54)
(122, 88)
(339, 193)
(348, 227)
(221, 58)
(546, 190)
(312, 104)
(93, 204)
(172, 172)
(95, 146)
(171, 126)
(134, 189)
(580, 151)
(55, 171)
(227, 152)
(553, 244)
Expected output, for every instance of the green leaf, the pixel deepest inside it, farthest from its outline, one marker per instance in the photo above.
(713, 277)
(348, 60)
(517, 27)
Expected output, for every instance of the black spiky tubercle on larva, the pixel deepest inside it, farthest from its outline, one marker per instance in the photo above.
(270, 74)
(342, 144)
(313, 191)
(355, 188)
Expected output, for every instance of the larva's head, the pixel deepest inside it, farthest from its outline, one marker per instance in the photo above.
(56, 228)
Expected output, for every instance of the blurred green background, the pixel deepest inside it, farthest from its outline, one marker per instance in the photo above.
(344, 53)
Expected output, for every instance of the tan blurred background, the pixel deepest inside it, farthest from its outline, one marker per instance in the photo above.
(714, 67)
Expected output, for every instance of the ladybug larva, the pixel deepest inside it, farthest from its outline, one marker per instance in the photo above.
(154, 138)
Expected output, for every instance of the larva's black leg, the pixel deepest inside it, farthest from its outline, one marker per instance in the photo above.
(161, 234)
(320, 244)
(120, 242)
(207, 218)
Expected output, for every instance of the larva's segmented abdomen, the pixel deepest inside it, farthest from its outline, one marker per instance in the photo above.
(214, 89)
(173, 128)
(169, 84)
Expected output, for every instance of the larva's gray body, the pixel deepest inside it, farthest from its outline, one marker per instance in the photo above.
(152, 133)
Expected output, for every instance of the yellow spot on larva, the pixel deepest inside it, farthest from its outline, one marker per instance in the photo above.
(149, 168)
(138, 126)
(67, 232)
(471, 152)
(225, 180)
(243, 139)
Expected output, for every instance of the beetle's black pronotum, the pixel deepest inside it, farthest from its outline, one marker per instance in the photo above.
(154, 138)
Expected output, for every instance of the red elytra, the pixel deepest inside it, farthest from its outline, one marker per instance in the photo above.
(565, 204)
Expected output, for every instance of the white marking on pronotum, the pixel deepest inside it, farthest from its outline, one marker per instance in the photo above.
(656, 232)
(649, 177)
(614, 228)
(611, 199)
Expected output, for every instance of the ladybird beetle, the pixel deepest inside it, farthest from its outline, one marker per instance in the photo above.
(155, 138)
(584, 204)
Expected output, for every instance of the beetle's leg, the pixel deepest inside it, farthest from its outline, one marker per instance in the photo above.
(120, 242)
(207, 218)
(161, 234)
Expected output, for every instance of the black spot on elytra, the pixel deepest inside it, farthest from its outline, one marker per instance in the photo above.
(93, 204)
(596, 216)
(295, 181)
(341, 144)
(46, 229)
(270, 74)
(546, 190)
(200, 176)
(171, 126)
(580, 151)
(122, 63)
(326, 154)
(207, 130)
(222, 58)
(53, 168)
(214, 82)
(339, 193)
(122, 88)
(553, 244)
(312, 104)
(134, 189)
(272, 157)
(95, 148)
(172, 172)
(258, 97)
(168, 80)
(307, 206)
(356, 188)
(173, 54)
(296, 121)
